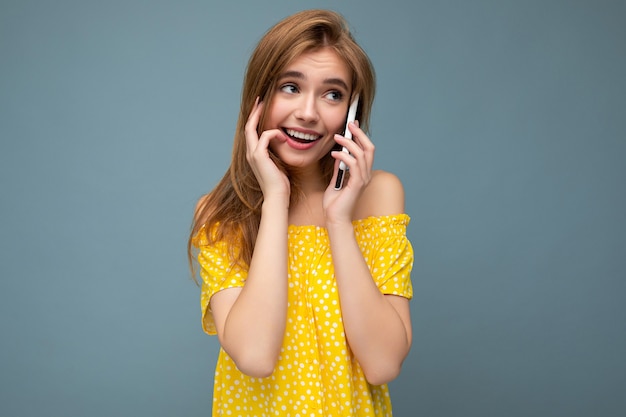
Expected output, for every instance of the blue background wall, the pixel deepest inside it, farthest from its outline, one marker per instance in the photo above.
(505, 119)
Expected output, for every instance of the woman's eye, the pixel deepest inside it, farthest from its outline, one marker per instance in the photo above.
(334, 95)
(289, 88)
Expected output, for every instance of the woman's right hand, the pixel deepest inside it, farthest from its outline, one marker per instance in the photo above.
(273, 181)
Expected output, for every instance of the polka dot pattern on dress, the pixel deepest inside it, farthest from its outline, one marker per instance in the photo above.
(316, 373)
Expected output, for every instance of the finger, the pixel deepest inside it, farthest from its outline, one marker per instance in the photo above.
(253, 117)
(359, 136)
(352, 146)
(348, 160)
(364, 143)
(358, 161)
(252, 124)
(269, 135)
(356, 176)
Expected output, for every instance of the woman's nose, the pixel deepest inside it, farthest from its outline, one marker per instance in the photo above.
(307, 109)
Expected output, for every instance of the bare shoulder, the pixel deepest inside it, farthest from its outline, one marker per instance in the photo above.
(383, 196)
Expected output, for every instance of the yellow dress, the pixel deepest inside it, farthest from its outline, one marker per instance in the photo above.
(316, 373)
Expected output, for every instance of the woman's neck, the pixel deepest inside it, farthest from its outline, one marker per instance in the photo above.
(306, 208)
(309, 180)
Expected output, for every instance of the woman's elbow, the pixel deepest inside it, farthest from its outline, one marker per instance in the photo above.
(255, 364)
(256, 370)
(383, 375)
(385, 367)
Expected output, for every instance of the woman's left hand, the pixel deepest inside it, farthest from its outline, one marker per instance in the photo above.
(339, 204)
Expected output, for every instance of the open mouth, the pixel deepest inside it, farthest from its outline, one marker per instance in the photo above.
(301, 137)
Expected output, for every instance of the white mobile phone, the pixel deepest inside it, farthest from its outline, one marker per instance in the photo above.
(347, 134)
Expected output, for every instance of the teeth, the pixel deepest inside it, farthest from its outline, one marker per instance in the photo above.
(300, 135)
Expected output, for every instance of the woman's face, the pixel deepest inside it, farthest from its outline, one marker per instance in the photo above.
(309, 106)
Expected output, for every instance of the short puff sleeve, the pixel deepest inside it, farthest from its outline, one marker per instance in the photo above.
(218, 273)
(387, 252)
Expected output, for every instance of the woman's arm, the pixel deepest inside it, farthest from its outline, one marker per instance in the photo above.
(377, 326)
(250, 321)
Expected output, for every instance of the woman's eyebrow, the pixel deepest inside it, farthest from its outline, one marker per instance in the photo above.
(337, 81)
(298, 75)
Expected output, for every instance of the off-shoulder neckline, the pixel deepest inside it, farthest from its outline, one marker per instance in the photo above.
(401, 218)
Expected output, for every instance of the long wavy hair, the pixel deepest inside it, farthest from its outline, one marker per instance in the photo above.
(232, 210)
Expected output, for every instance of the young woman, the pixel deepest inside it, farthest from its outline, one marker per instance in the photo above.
(307, 287)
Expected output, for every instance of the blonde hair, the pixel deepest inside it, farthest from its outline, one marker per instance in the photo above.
(232, 210)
